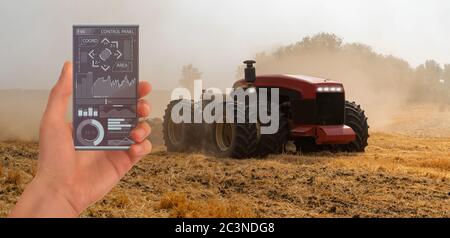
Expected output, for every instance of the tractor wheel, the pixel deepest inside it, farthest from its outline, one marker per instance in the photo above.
(176, 135)
(196, 131)
(233, 138)
(357, 120)
(274, 143)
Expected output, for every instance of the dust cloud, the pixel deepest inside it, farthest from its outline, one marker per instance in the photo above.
(380, 101)
(382, 84)
(21, 112)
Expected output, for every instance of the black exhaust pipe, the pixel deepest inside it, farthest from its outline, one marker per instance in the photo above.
(250, 71)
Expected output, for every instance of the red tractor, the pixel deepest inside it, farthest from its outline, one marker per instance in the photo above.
(313, 115)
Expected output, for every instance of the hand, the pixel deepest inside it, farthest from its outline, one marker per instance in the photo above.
(68, 181)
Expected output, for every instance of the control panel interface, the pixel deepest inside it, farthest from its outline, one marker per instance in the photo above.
(105, 82)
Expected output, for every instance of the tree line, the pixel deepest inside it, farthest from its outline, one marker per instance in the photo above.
(326, 55)
(363, 71)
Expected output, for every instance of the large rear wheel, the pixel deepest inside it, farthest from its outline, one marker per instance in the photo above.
(357, 120)
(176, 135)
(234, 137)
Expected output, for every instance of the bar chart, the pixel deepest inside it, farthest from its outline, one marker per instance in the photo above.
(84, 84)
(87, 112)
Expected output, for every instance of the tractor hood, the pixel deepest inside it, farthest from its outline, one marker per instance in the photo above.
(305, 85)
(309, 79)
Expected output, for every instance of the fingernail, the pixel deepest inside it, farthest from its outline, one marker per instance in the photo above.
(64, 68)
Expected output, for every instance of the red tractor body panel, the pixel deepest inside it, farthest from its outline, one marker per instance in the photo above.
(306, 87)
(340, 134)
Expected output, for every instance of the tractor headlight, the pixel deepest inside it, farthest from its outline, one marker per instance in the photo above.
(327, 89)
(251, 90)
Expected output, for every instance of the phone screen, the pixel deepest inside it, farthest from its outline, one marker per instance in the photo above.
(105, 86)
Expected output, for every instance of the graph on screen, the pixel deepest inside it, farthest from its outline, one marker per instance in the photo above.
(105, 87)
(112, 111)
(118, 88)
(121, 142)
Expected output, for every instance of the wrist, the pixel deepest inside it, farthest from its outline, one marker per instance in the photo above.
(57, 193)
(44, 199)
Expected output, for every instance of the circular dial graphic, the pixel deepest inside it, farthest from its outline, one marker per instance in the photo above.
(90, 132)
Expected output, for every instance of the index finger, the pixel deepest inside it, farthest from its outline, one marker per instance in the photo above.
(144, 88)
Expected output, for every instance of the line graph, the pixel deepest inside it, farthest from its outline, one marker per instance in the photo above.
(108, 87)
(118, 111)
(124, 141)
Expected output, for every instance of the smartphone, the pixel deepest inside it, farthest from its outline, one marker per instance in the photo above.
(105, 86)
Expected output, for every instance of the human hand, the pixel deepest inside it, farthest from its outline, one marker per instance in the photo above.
(68, 181)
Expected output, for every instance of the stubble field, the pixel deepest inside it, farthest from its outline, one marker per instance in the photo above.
(405, 172)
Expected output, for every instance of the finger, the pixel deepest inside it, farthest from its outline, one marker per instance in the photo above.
(143, 108)
(144, 88)
(141, 132)
(139, 150)
(60, 94)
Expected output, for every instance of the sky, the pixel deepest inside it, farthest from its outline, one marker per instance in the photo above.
(214, 35)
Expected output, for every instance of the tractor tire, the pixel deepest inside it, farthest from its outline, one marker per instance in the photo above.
(176, 135)
(196, 131)
(357, 120)
(234, 139)
(274, 143)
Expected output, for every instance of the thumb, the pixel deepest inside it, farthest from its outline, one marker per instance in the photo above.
(59, 96)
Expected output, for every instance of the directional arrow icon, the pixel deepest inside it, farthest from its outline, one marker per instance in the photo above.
(91, 54)
(105, 67)
(105, 40)
(118, 53)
